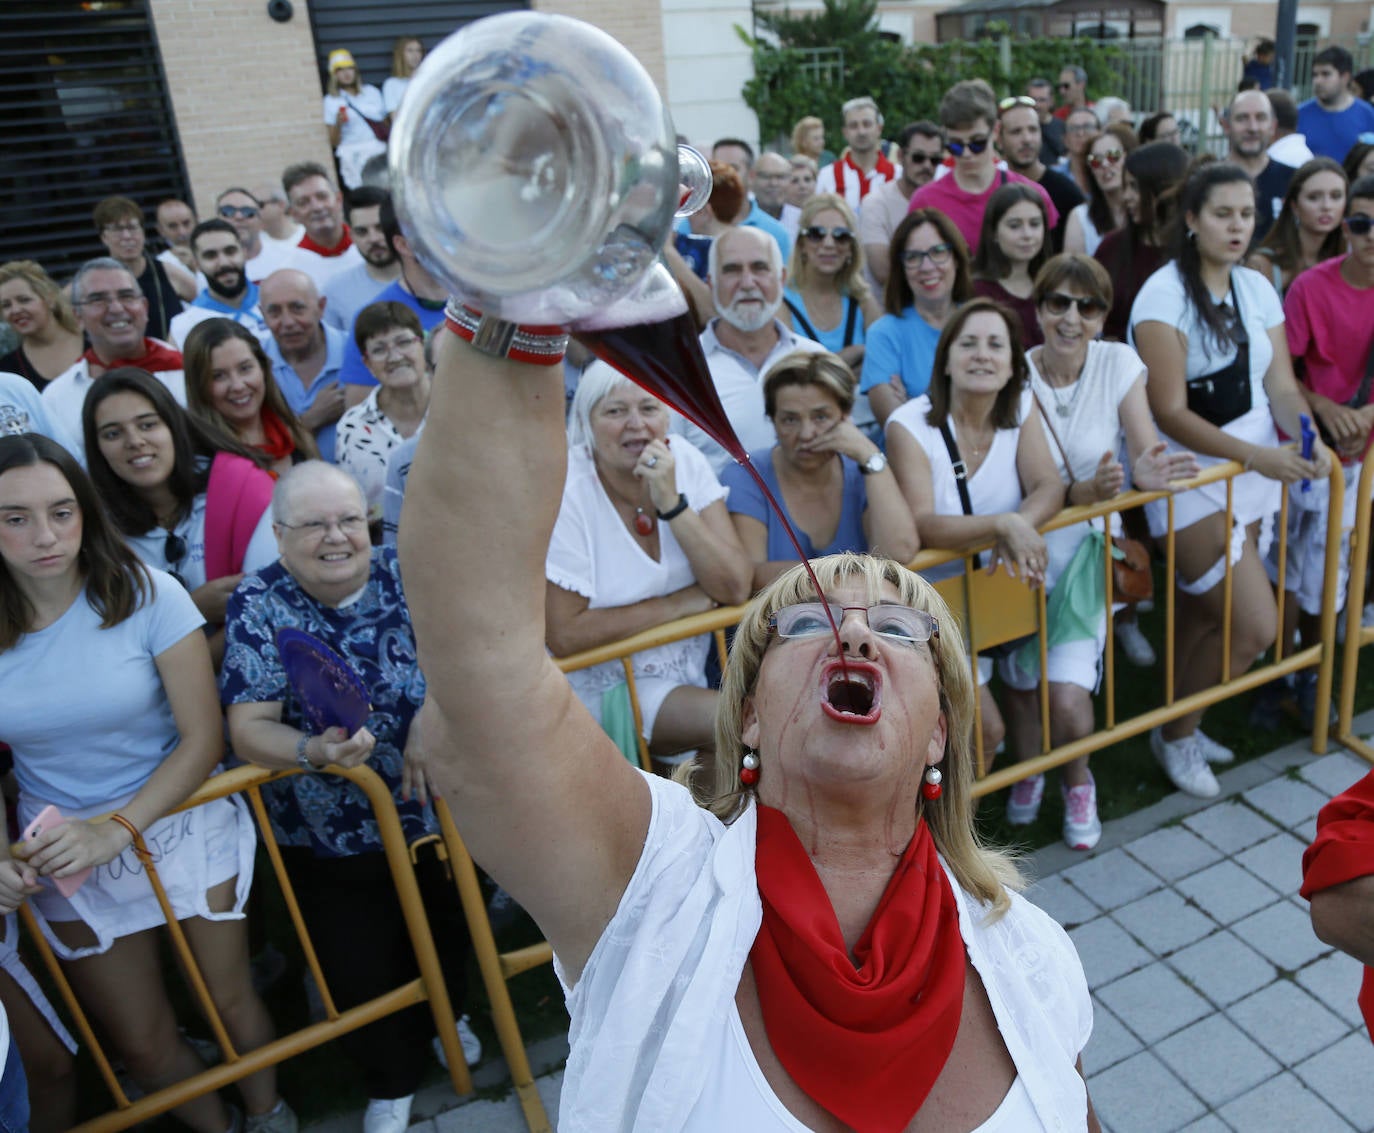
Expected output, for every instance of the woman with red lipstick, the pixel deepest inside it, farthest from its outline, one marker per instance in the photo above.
(811, 936)
(1308, 228)
(1211, 335)
(50, 341)
(642, 538)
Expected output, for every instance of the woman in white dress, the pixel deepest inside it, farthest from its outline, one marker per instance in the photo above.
(642, 538)
(406, 54)
(356, 115)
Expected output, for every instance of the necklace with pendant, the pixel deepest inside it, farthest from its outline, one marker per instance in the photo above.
(1061, 407)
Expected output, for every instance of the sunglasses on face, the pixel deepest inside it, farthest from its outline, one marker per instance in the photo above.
(1111, 157)
(1057, 303)
(1359, 224)
(973, 145)
(817, 234)
(920, 157)
(231, 211)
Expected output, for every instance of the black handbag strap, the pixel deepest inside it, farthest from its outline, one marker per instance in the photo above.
(1068, 468)
(960, 473)
(850, 320)
(800, 319)
(850, 323)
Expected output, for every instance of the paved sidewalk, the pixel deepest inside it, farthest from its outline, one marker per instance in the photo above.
(1216, 1008)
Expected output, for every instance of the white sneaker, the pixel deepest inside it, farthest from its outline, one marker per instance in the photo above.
(467, 1039)
(1212, 751)
(1134, 644)
(387, 1115)
(1082, 827)
(1183, 763)
(1023, 803)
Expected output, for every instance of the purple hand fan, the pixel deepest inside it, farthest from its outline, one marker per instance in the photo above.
(329, 690)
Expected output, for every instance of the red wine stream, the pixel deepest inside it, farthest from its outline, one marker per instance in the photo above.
(665, 358)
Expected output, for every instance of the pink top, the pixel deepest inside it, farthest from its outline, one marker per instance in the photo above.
(1330, 326)
(238, 493)
(966, 209)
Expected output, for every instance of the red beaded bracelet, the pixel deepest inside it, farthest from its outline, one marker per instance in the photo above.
(537, 345)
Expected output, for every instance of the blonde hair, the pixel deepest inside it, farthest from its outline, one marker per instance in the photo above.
(849, 280)
(799, 131)
(981, 870)
(49, 294)
(400, 69)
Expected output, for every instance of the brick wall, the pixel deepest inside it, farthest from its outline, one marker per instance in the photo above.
(637, 25)
(244, 90)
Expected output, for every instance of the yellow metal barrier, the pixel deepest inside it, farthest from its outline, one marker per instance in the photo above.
(1356, 635)
(428, 987)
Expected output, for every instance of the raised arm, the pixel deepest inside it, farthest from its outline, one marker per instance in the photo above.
(544, 799)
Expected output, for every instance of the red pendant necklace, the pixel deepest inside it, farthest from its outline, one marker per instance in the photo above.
(644, 522)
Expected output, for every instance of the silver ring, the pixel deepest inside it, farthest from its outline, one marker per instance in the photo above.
(651, 462)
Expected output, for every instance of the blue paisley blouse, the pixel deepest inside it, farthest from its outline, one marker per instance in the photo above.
(324, 812)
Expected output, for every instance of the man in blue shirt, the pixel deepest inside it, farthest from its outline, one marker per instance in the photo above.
(217, 254)
(306, 355)
(739, 155)
(1333, 119)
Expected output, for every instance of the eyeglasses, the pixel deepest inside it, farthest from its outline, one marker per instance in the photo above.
(938, 254)
(173, 552)
(1359, 224)
(101, 301)
(1111, 157)
(973, 145)
(380, 351)
(817, 234)
(128, 228)
(1169, 135)
(231, 211)
(318, 528)
(887, 619)
(1081, 128)
(1015, 101)
(1057, 303)
(1063, 86)
(920, 157)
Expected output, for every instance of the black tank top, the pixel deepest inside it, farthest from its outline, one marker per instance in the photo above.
(164, 304)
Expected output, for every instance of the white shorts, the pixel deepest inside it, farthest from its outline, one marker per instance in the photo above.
(1305, 573)
(14, 966)
(1070, 662)
(194, 851)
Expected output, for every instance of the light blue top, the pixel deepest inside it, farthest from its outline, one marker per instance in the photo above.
(903, 345)
(355, 371)
(832, 339)
(300, 396)
(747, 499)
(348, 293)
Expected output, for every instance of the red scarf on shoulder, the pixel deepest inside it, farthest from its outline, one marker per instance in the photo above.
(320, 250)
(156, 358)
(865, 1037)
(278, 441)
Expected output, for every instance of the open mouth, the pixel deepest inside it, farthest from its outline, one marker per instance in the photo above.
(852, 692)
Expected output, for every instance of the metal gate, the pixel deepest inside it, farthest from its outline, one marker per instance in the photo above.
(86, 111)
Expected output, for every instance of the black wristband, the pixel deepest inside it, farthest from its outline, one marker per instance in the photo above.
(675, 511)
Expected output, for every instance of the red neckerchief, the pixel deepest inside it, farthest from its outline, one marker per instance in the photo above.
(156, 358)
(865, 1042)
(320, 250)
(278, 443)
(1342, 851)
(866, 181)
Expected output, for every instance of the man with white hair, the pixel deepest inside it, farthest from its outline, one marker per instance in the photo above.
(745, 339)
(863, 166)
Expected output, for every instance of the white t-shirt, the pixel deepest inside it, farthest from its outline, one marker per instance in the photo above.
(65, 396)
(1091, 236)
(151, 547)
(994, 489)
(321, 269)
(367, 102)
(364, 440)
(393, 90)
(85, 709)
(656, 998)
(592, 554)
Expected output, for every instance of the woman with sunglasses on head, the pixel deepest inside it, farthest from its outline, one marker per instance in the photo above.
(1211, 335)
(1105, 209)
(111, 708)
(928, 277)
(50, 340)
(1150, 181)
(1090, 397)
(187, 498)
(1308, 228)
(1013, 246)
(229, 384)
(827, 298)
(977, 419)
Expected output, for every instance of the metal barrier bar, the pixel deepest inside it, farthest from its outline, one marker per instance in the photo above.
(428, 987)
(1356, 635)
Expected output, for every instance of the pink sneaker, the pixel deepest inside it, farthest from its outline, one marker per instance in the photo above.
(1023, 804)
(1082, 827)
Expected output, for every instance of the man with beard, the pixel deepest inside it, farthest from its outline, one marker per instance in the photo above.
(114, 316)
(1021, 139)
(863, 166)
(352, 290)
(218, 255)
(921, 145)
(327, 247)
(745, 339)
(306, 355)
(1249, 126)
(243, 211)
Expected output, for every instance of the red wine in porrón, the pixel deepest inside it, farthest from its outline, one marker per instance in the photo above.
(665, 358)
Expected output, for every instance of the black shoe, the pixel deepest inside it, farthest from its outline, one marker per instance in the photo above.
(1268, 704)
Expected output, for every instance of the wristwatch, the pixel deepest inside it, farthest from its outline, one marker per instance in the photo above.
(874, 464)
(302, 759)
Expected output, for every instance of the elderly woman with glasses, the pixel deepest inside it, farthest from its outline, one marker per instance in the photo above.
(928, 277)
(1105, 209)
(392, 343)
(810, 935)
(188, 498)
(331, 584)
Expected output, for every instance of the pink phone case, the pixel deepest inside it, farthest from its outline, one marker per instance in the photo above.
(46, 819)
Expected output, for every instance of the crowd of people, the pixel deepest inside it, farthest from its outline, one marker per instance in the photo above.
(939, 341)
